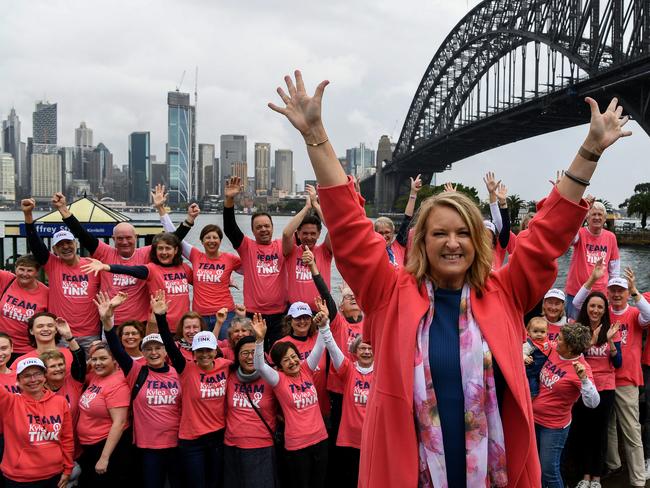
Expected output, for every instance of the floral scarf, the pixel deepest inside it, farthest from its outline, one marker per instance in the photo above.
(484, 442)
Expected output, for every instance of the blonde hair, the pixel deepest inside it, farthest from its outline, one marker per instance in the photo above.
(418, 263)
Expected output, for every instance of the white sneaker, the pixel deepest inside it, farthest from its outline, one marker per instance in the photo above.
(647, 469)
(584, 484)
(595, 484)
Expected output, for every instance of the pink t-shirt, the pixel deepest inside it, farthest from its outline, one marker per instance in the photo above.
(71, 295)
(18, 305)
(399, 253)
(344, 334)
(33, 353)
(212, 281)
(554, 329)
(244, 429)
(297, 396)
(156, 408)
(599, 359)
(355, 399)
(204, 398)
(71, 391)
(137, 306)
(175, 281)
(586, 251)
(320, 374)
(8, 382)
(265, 281)
(559, 389)
(631, 332)
(300, 285)
(103, 392)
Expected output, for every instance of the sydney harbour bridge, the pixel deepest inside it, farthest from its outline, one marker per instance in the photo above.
(514, 69)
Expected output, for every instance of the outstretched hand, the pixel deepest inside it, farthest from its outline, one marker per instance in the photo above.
(449, 187)
(613, 329)
(302, 110)
(158, 196)
(158, 303)
(416, 184)
(259, 326)
(94, 266)
(607, 127)
(233, 187)
(491, 182)
(320, 319)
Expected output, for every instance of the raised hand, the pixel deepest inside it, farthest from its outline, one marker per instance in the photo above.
(27, 205)
(599, 270)
(233, 187)
(94, 266)
(63, 328)
(307, 256)
(558, 177)
(118, 299)
(416, 184)
(259, 326)
(502, 194)
(103, 303)
(158, 303)
(303, 111)
(580, 369)
(357, 184)
(320, 319)
(491, 182)
(222, 315)
(158, 196)
(605, 128)
(193, 212)
(631, 280)
(58, 201)
(240, 310)
(450, 187)
(590, 199)
(313, 196)
(613, 329)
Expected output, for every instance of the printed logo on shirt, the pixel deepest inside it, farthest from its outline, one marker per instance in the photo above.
(267, 264)
(120, 280)
(595, 252)
(75, 285)
(360, 392)
(304, 395)
(176, 283)
(551, 373)
(240, 398)
(302, 272)
(598, 351)
(213, 385)
(623, 331)
(352, 335)
(43, 428)
(18, 309)
(209, 272)
(161, 392)
(89, 395)
(552, 336)
(12, 389)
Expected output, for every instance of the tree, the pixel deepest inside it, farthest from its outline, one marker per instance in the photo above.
(639, 203)
(609, 208)
(428, 191)
(532, 206)
(515, 202)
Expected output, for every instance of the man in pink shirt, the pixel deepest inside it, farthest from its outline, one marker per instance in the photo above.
(304, 230)
(592, 243)
(265, 280)
(123, 252)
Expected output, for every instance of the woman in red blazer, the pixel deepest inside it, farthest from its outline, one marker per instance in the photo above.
(450, 404)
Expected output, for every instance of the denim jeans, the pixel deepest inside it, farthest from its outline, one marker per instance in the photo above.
(550, 443)
(202, 460)
(159, 465)
(249, 468)
(569, 311)
(211, 320)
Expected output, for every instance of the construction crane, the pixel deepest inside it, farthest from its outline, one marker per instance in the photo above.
(178, 87)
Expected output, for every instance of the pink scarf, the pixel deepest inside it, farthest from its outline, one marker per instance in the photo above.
(484, 442)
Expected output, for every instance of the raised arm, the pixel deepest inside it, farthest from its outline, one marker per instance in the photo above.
(159, 308)
(288, 233)
(159, 198)
(95, 266)
(325, 335)
(34, 241)
(78, 366)
(90, 242)
(267, 373)
(491, 184)
(230, 227)
(321, 286)
(106, 308)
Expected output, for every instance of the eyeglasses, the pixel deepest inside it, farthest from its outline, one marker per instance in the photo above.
(247, 354)
(36, 376)
(348, 297)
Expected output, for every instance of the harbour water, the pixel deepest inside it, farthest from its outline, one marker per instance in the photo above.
(638, 258)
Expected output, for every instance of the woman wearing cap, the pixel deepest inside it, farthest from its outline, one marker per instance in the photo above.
(249, 452)
(203, 383)
(553, 311)
(448, 266)
(565, 377)
(37, 429)
(130, 334)
(589, 428)
(156, 397)
(305, 436)
(102, 426)
(44, 335)
(166, 271)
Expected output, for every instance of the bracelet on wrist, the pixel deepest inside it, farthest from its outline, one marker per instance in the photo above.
(588, 155)
(575, 179)
(316, 144)
(71, 338)
(188, 223)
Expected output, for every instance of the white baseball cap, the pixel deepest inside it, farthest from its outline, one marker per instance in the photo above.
(151, 338)
(555, 293)
(617, 281)
(27, 363)
(204, 340)
(490, 226)
(62, 235)
(298, 309)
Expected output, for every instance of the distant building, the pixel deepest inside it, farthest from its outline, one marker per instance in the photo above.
(310, 182)
(44, 128)
(7, 178)
(100, 170)
(284, 170)
(206, 163)
(361, 160)
(384, 150)
(181, 134)
(139, 167)
(83, 136)
(241, 169)
(46, 176)
(120, 184)
(12, 145)
(345, 165)
(232, 150)
(262, 168)
(68, 158)
(159, 174)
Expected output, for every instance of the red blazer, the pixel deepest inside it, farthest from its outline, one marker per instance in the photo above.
(394, 305)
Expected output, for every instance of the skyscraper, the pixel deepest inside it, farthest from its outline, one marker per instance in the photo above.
(284, 170)
(206, 168)
(7, 178)
(232, 150)
(83, 136)
(44, 124)
(68, 159)
(241, 169)
(262, 167)
(46, 176)
(12, 145)
(100, 170)
(83, 143)
(361, 160)
(139, 167)
(180, 146)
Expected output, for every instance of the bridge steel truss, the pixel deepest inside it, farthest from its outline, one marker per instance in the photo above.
(513, 69)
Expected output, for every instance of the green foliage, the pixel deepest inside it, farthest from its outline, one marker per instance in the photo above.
(428, 190)
(639, 203)
(515, 202)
